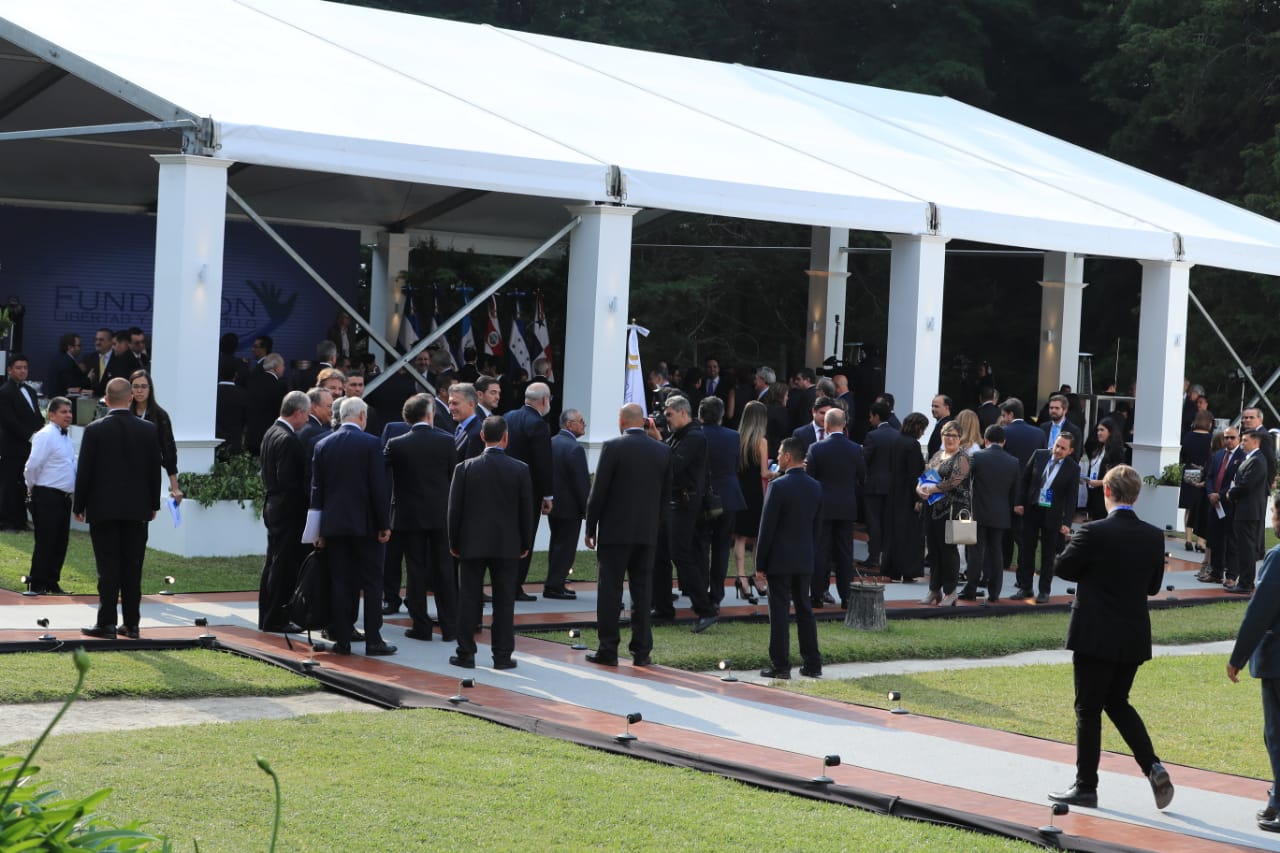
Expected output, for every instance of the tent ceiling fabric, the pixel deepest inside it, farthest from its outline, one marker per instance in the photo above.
(362, 117)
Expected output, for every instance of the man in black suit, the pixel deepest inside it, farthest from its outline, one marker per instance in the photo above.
(468, 372)
(839, 467)
(491, 505)
(1248, 494)
(714, 384)
(65, 371)
(784, 558)
(326, 355)
(1218, 475)
(349, 488)
(529, 440)
(421, 462)
(1046, 502)
(266, 389)
(138, 347)
(95, 363)
(1021, 439)
(123, 361)
(467, 441)
(888, 400)
(996, 478)
(283, 463)
(877, 450)
(1252, 419)
(571, 483)
(815, 429)
(715, 534)
(118, 492)
(941, 409)
(800, 400)
(1116, 563)
(19, 420)
(1058, 424)
(633, 480)
(988, 412)
(231, 411)
(319, 422)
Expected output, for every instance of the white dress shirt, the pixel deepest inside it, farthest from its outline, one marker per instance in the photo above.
(52, 462)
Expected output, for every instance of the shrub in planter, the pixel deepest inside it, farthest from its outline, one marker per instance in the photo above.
(235, 479)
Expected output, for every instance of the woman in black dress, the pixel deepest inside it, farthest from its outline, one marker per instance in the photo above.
(753, 470)
(904, 531)
(1103, 451)
(1194, 455)
(144, 406)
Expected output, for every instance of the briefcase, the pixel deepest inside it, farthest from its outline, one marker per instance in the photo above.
(962, 530)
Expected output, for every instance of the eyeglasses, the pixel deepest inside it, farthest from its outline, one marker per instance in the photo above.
(140, 387)
(951, 435)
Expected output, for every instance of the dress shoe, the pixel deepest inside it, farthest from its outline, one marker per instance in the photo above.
(1269, 825)
(357, 636)
(99, 631)
(449, 638)
(602, 659)
(1161, 786)
(464, 661)
(521, 595)
(287, 628)
(341, 648)
(504, 663)
(992, 598)
(828, 598)
(642, 660)
(559, 594)
(1077, 796)
(658, 617)
(816, 603)
(1020, 592)
(54, 589)
(388, 608)
(968, 596)
(770, 672)
(380, 649)
(1042, 598)
(131, 633)
(1269, 813)
(705, 622)
(811, 673)
(423, 634)
(40, 590)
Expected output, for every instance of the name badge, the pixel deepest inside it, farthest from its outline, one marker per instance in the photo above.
(1046, 498)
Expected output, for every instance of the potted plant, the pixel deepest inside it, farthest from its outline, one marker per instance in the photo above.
(1158, 501)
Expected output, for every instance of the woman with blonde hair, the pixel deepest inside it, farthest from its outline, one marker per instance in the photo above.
(970, 431)
(753, 471)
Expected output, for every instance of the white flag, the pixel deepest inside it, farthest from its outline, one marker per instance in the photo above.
(634, 391)
(516, 345)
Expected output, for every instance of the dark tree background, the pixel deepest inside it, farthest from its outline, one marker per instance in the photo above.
(1186, 89)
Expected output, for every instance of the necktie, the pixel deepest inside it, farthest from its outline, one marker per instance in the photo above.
(1048, 473)
(102, 366)
(711, 386)
(1222, 470)
(460, 437)
(821, 434)
(1053, 433)
(62, 430)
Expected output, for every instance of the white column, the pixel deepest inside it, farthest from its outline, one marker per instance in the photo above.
(914, 349)
(1060, 297)
(595, 347)
(390, 265)
(828, 269)
(1162, 332)
(187, 299)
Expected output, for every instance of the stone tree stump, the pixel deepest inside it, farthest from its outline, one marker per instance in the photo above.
(866, 607)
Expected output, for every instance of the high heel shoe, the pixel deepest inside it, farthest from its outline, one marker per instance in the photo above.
(740, 586)
(763, 592)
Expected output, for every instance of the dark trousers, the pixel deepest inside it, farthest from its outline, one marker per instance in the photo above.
(355, 567)
(118, 551)
(1036, 528)
(523, 565)
(393, 557)
(676, 545)
(783, 591)
(833, 546)
(1103, 685)
(1013, 537)
(985, 568)
(715, 539)
(13, 490)
(946, 567)
(1271, 732)
(1245, 534)
(1217, 534)
(429, 565)
(562, 551)
(503, 573)
(51, 517)
(874, 507)
(285, 553)
(636, 562)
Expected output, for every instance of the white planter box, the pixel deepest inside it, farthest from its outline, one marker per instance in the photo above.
(222, 530)
(1158, 505)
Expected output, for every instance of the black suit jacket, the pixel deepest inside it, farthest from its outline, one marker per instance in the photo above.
(230, 416)
(935, 437)
(1231, 463)
(283, 461)
(1065, 488)
(688, 466)
(807, 433)
(571, 479)
(633, 480)
(18, 419)
(988, 413)
(1067, 426)
(723, 446)
(529, 440)
(800, 406)
(1022, 439)
(1116, 562)
(118, 472)
(421, 462)
(1248, 492)
(491, 507)
(349, 484)
(996, 479)
(64, 373)
(789, 524)
(837, 464)
(877, 449)
(120, 366)
(265, 393)
(470, 444)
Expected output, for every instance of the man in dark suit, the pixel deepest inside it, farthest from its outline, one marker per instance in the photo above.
(1116, 563)
(231, 412)
(785, 549)
(815, 429)
(421, 462)
(1252, 419)
(1218, 475)
(469, 372)
(123, 361)
(349, 488)
(304, 379)
(714, 384)
(715, 535)
(1021, 439)
(800, 400)
(624, 508)
(877, 450)
(266, 389)
(839, 467)
(529, 440)
(988, 411)
(1046, 502)
(1057, 424)
(467, 441)
(571, 483)
(319, 422)
(941, 409)
(19, 420)
(1257, 644)
(283, 462)
(996, 478)
(1248, 494)
(118, 492)
(65, 371)
(490, 527)
(888, 400)
(95, 363)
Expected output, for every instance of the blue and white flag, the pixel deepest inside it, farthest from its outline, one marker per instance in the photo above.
(410, 330)
(516, 346)
(468, 340)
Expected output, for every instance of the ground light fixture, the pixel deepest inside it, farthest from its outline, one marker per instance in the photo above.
(726, 666)
(1055, 810)
(26, 579)
(169, 580)
(627, 736)
(895, 697)
(206, 639)
(464, 684)
(827, 761)
(1170, 596)
(43, 622)
(576, 635)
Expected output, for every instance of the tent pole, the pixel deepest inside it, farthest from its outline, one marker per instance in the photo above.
(1262, 394)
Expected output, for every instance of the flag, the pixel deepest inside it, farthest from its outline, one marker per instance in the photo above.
(634, 391)
(435, 324)
(493, 335)
(468, 340)
(410, 329)
(516, 346)
(543, 338)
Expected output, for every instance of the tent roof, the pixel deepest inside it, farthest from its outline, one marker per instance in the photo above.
(368, 118)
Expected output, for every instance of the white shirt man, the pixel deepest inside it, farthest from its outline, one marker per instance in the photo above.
(50, 474)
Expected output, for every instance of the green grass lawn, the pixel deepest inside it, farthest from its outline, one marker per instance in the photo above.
(1194, 714)
(433, 780)
(747, 643)
(190, 673)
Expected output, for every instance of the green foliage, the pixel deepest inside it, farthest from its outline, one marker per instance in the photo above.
(236, 479)
(1170, 476)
